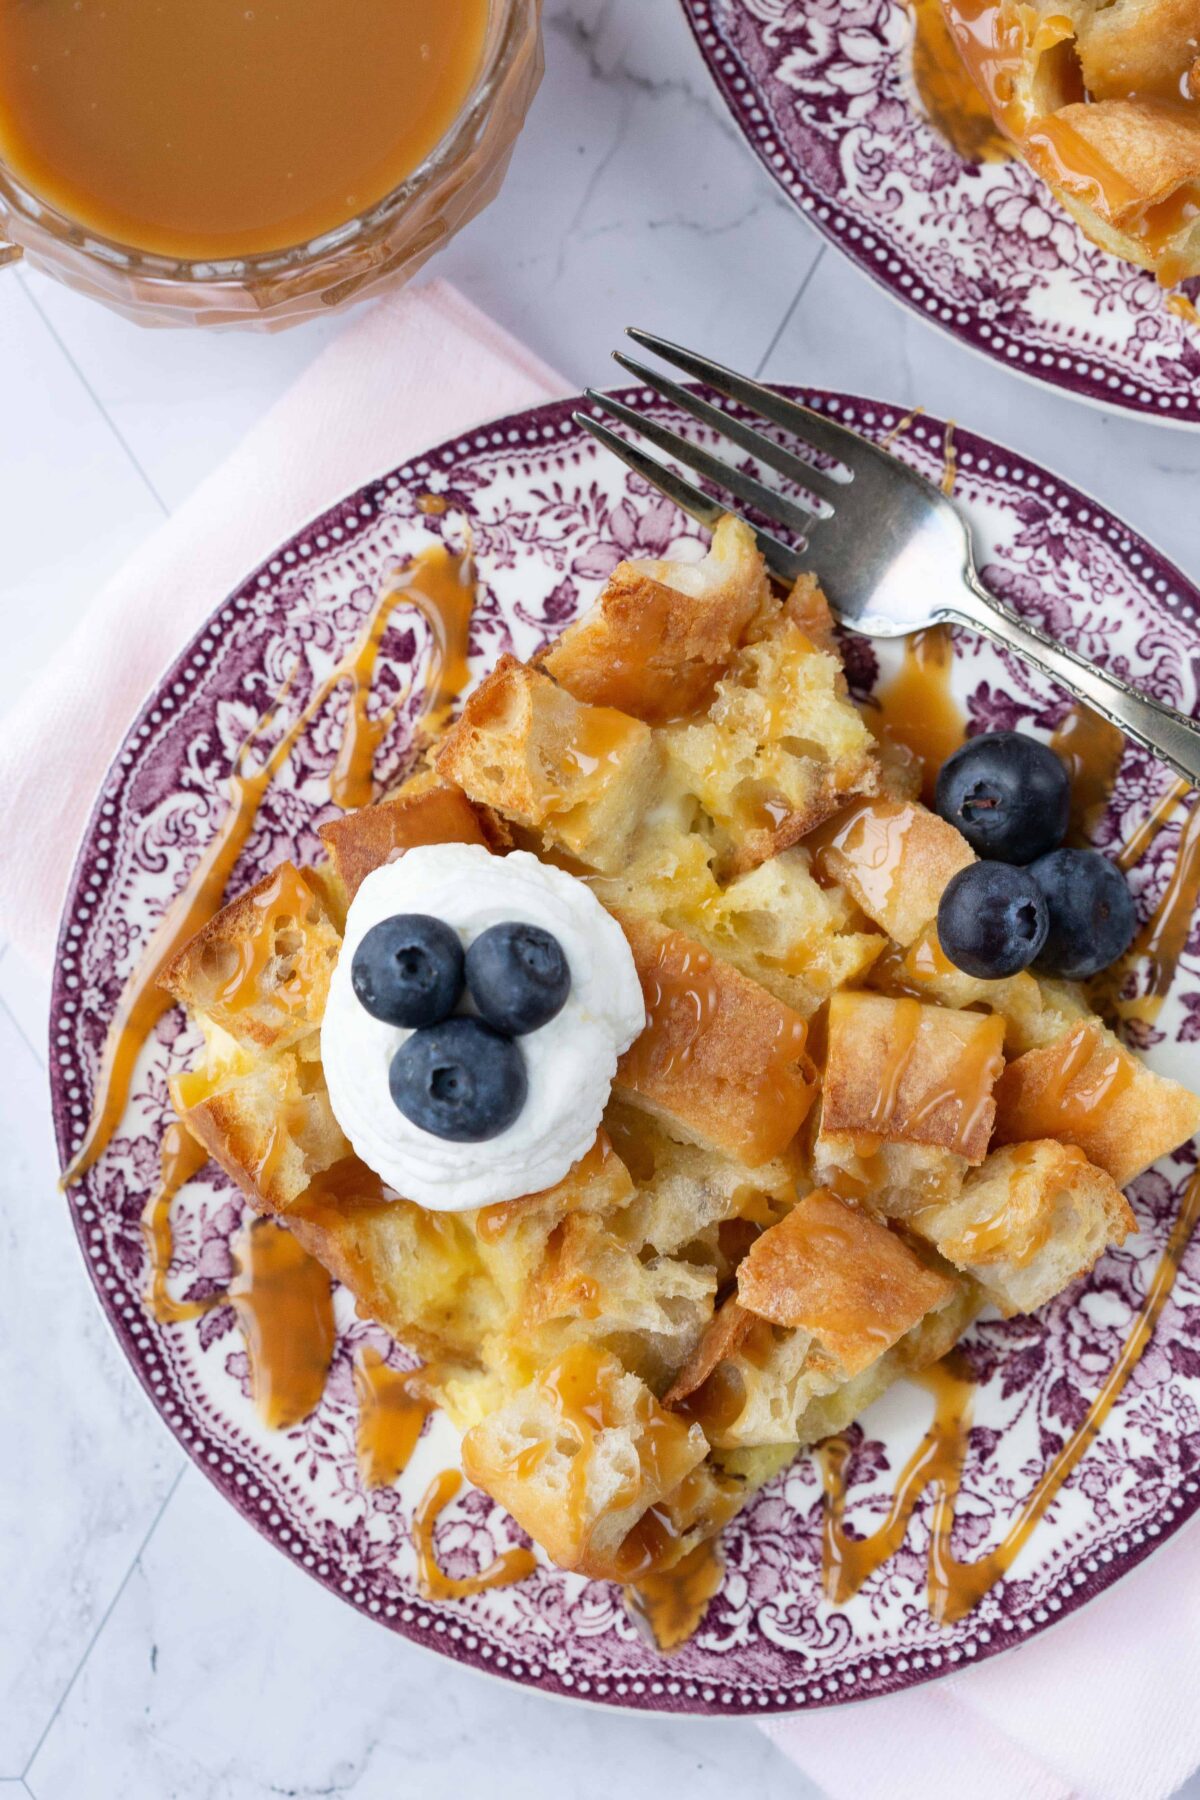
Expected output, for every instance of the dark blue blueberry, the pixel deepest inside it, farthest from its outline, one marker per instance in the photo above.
(517, 976)
(1009, 795)
(992, 920)
(408, 970)
(1091, 912)
(459, 1080)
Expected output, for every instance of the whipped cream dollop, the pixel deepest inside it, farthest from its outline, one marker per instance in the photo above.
(570, 1062)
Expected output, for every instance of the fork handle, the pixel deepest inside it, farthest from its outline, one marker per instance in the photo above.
(1166, 733)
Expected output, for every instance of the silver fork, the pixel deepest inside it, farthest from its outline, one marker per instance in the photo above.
(892, 552)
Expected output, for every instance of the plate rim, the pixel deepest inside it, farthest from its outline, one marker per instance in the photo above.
(698, 1704)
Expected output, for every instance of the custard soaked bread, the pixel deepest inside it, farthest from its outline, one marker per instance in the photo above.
(1102, 98)
(822, 1152)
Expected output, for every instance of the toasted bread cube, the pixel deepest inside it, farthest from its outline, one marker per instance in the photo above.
(363, 841)
(752, 1382)
(926, 1343)
(592, 1287)
(829, 1270)
(721, 1062)
(899, 1071)
(260, 968)
(662, 632)
(1030, 1220)
(580, 1456)
(797, 938)
(781, 749)
(895, 1181)
(1087, 1089)
(418, 1272)
(895, 858)
(581, 776)
(1036, 1011)
(270, 1127)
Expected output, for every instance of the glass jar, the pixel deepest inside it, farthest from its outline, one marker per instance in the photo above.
(380, 248)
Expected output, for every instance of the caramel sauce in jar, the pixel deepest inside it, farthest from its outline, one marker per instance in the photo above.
(225, 129)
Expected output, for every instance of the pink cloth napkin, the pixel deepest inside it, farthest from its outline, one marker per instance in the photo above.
(414, 369)
(1103, 1705)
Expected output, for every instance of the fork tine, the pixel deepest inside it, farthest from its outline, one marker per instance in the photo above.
(744, 436)
(783, 562)
(812, 428)
(777, 507)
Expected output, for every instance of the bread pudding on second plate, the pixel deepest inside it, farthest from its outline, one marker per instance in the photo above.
(1102, 99)
(824, 1147)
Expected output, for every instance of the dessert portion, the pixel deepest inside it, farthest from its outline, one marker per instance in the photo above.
(1102, 99)
(634, 1066)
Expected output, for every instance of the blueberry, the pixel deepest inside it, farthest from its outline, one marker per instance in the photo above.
(408, 970)
(518, 976)
(459, 1080)
(1091, 913)
(1009, 795)
(992, 920)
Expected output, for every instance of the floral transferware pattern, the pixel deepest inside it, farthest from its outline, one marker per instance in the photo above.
(823, 92)
(549, 516)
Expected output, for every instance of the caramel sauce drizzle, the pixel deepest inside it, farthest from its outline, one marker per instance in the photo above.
(1183, 308)
(682, 1001)
(956, 1587)
(1141, 840)
(393, 1405)
(667, 1606)
(917, 707)
(509, 1567)
(1092, 750)
(282, 1295)
(1158, 946)
(438, 587)
(949, 98)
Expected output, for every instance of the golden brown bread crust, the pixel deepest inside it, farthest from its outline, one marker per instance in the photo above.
(895, 857)
(580, 776)
(1147, 47)
(272, 1130)
(260, 968)
(661, 633)
(903, 1072)
(1087, 1089)
(363, 841)
(834, 1272)
(721, 1061)
(1033, 1218)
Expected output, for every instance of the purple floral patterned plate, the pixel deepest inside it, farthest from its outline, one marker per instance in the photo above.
(550, 515)
(822, 90)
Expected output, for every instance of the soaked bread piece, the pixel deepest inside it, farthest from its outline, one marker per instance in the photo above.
(780, 750)
(1035, 1009)
(895, 858)
(363, 841)
(662, 632)
(259, 971)
(270, 1126)
(721, 1062)
(899, 1071)
(854, 1286)
(580, 776)
(1028, 1222)
(1087, 1089)
(580, 1456)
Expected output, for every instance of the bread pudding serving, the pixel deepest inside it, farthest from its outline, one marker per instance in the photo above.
(617, 1065)
(1102, 99)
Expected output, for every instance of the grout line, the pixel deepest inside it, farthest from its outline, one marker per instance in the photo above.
(92, 394)
(108, 1612)
(786, 320)
(13, 1020)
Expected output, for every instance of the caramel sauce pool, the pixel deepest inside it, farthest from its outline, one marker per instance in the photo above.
(230, 127)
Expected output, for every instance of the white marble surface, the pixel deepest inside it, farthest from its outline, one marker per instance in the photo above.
(150, 1644)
